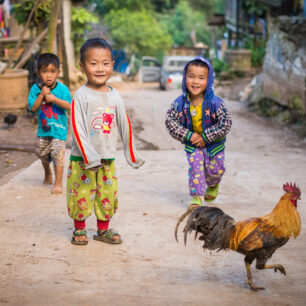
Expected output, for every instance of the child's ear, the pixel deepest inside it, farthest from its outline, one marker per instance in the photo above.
(81, 66)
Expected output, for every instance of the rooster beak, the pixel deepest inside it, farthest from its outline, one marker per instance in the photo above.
(299, 198)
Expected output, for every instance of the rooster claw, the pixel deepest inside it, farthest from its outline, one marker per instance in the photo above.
(280, 268)
(253, 287)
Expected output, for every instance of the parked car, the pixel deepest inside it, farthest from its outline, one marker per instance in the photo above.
(169, 74)
(149, 70)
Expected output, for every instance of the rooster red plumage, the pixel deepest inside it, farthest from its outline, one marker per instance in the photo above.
(256, 238)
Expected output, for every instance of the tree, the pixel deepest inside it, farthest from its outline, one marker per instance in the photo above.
(183, 22)
(23, 8)
(161, 6)
(81, 21)
(208, 7)
(138, 32)
(104, 7)
(131, 5)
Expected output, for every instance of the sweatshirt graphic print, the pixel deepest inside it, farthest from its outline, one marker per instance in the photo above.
(96, 120)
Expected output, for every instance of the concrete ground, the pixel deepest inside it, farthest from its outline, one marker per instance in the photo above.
(39, 265)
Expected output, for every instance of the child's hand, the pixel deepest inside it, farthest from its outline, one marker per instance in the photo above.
(197, 140)
(50, 98)
(45, 90)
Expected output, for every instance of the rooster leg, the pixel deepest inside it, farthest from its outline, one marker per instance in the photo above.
(250, 279)
(276, 267)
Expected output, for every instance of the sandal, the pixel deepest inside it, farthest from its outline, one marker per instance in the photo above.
(211, 193)
(79, 233)
(107, 236)
(194, 203)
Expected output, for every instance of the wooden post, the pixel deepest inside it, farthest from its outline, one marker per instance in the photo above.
(223, 48)
(52, 26)
(67, 43)
(63, 50)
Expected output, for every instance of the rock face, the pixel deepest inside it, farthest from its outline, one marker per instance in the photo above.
(284, 70)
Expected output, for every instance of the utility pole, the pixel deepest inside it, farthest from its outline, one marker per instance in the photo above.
(237, 23)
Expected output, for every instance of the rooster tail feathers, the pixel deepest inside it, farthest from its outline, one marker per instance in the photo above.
(214, 225)
(179, 221)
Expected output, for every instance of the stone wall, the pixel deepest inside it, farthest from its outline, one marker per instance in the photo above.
(284, 68)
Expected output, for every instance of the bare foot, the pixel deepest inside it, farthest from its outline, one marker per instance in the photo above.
(48, 180)
(57, 189)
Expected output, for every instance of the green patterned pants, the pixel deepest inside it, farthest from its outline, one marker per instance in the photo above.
(88, 188)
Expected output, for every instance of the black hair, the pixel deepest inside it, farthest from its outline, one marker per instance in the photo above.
(45, 59)
(198, 63)
(94, 43)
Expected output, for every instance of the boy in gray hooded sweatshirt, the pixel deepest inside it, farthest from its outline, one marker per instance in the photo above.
(97, 115)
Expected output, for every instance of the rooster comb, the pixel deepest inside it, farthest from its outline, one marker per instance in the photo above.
(292, 188)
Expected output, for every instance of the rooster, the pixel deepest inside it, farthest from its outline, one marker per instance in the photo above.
(256, 238)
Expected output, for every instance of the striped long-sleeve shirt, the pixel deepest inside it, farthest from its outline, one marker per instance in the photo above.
(216, 120)
(96, 119)
(211, 134)
(179, 126)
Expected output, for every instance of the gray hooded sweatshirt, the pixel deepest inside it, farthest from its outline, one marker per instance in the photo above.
(96, 119)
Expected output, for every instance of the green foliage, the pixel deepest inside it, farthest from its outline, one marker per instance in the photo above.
(219, 6)
(163, 5)
(208, 7)
(258, 50)
(204, 6)
(104, 7)
(258, 55)
(131, 5)
(183, 21)
(296, 104)
(220, 66)
(179, 24)
(252, 7)
(81, 21)
(138, 32)
(23, 8)
(269, 108)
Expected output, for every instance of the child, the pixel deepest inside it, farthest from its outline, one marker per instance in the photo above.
(200, 120)
(97, 115)
(50, 99)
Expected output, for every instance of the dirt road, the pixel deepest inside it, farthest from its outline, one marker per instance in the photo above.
(39, 266)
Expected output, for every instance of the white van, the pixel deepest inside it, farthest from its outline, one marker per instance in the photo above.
(169, 75)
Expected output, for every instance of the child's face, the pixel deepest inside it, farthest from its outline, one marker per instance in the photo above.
(196, 80)
(48, 75)
(98, 67)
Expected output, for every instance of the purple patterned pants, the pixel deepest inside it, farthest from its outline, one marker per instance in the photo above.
(204, 169)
